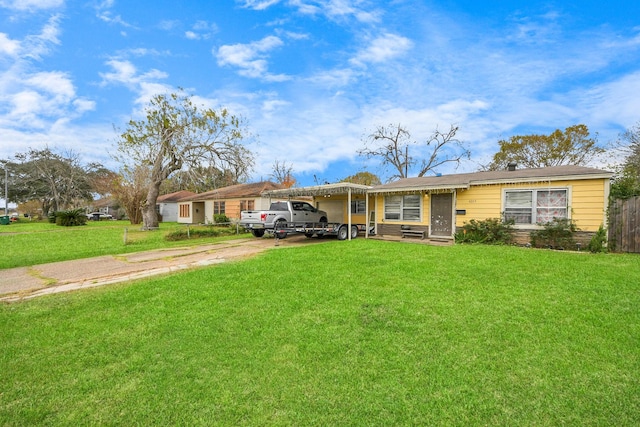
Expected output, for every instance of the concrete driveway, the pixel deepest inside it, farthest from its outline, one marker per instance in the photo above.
(28, 282)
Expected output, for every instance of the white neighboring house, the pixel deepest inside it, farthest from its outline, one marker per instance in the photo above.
(167, 205)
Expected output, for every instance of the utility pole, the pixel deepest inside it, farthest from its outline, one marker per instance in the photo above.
(6, 190)
(406, 161)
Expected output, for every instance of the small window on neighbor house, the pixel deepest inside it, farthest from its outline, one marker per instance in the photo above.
(358, 207)
(247, 205)
(403, 208)
(535, 206)
(218, 208)
(184, 211)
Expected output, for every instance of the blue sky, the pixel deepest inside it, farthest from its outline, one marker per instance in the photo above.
(314, 77)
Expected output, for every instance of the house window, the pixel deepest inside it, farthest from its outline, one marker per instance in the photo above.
(218, 208)
(403, 208)
(247, 205)
(535, 206)
(184, 211)
(358, 207)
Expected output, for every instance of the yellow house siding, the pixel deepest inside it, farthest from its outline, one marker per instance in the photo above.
(587, 201)
(480, 203)
(588, 208)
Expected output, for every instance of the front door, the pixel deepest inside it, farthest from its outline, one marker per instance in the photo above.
(441, 215)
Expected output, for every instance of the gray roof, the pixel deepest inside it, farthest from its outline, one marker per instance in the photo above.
(465, 180)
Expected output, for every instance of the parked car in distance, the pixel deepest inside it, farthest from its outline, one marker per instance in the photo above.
(97, 216)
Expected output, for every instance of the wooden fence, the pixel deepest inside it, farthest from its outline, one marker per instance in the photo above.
(624, 225)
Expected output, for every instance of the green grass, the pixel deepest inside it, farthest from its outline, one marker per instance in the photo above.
(344, 333)
(30, 243)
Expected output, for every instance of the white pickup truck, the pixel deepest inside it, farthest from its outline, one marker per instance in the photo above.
(289, 212)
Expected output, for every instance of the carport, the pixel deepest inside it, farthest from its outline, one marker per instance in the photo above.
(324, 192)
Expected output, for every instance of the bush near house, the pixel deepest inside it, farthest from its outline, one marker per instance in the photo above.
(598, 243)
(556, 234)
(492, 231)
(221, 219)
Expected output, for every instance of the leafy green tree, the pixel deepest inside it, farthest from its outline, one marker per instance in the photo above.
(395, 148)
(57, 181)
(178, 135)
(573, 146)
(627, 181)
(363, 178)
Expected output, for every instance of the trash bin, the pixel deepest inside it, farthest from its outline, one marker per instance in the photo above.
(5, 220)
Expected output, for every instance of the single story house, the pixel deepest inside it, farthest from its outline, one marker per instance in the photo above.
(440, 205)
(167, 205)
(230, 201)
(436, 207)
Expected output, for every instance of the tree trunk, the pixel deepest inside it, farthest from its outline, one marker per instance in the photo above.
(149, 214)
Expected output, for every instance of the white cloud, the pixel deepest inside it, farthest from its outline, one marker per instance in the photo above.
(250, 58)
(337, 9)
(258, 4)
(383, 48)
(37, 46)
(54, 82)
(29, 5)
(104, 13)
(127, 74)
(7, 46)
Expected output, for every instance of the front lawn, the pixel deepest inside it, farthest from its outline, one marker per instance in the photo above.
(30, 243)
(365, 333)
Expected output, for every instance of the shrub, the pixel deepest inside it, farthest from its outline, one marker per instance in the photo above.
(598, 243)
(192, 233)
(70, 218)
(221, 218)
(489, 231)
(556, 234)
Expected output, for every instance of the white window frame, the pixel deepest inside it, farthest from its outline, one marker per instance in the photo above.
(533, 208)
(401, 210)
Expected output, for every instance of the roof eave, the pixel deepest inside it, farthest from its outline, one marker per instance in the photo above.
(606, 175)
(421, 188)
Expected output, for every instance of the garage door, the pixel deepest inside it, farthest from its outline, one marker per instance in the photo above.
(334, 210)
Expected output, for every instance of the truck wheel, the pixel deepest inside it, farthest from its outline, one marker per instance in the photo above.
(308, 235)
(257, 233)
(354, 231)
(280, 234)
(323, 220)
(343, 233)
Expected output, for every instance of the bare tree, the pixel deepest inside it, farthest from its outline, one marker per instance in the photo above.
(177, 134)
(391, 145)
(130, 188)
(283, 174)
